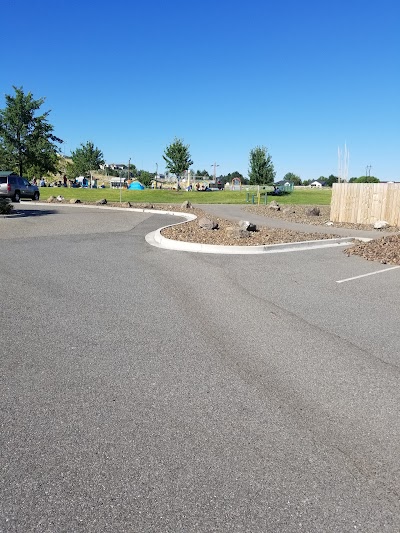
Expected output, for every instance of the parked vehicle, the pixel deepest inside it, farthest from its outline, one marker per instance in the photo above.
(14, 187)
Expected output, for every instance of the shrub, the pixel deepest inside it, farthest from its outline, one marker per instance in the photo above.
(5, 206)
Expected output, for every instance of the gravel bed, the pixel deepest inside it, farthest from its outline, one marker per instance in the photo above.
(192, 232)
(298, 213)
(386, 250)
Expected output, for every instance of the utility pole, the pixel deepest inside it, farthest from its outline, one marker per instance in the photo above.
(215, 170)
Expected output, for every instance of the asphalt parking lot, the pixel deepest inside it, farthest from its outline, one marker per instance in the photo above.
(145, 389)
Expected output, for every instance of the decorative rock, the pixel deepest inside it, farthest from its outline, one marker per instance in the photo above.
(51, 199)
(244, 224)
(380, 224)
(274, 205)
(60, 198)
(103, 201)
(186, 205)
(74, 201)
(206, 223)
(313, 212)
(236, 232)
(289, 210)
(329, 223)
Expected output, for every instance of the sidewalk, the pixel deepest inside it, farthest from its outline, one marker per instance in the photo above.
(235, 212)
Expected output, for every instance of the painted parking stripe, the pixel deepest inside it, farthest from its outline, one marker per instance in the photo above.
(365, 275)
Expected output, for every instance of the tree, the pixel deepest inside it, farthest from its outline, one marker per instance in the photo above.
(261, 171)
(128, 174)
(331, 180)
(84, 159)
(202, 174)
(292, 178)
(229, 177)
(177, 158)
(27, 142)
(146, 177)
(366, 179)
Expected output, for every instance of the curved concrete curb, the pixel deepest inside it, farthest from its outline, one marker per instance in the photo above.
(156, 239)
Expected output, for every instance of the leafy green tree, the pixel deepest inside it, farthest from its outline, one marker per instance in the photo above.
(229, 177)
(261, 171)
(134, 172)
(84, 159)
(177, 158)
(292, 178)
(112, 172)
(27, 141)
(146, 177)
(331, 180)
(5, 159)
(202, 174)
(367, 179)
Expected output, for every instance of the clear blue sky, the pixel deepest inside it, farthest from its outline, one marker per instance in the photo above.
(300, 78)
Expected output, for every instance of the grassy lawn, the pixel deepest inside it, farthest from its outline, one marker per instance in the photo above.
(157, 196)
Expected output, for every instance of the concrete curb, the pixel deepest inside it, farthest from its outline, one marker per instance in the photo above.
(188, 216)
(156, 239)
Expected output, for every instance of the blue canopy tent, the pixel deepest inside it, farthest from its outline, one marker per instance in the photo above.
(136, 186)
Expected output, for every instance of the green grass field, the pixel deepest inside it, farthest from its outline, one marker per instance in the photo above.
(157, 196)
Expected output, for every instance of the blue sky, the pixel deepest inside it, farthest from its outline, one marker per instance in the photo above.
(301, 78)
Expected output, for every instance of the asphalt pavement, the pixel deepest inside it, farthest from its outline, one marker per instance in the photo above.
(144, 389)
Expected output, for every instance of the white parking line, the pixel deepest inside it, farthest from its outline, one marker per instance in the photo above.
(369, 274)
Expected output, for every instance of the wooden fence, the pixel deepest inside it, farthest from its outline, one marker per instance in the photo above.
(366, 203)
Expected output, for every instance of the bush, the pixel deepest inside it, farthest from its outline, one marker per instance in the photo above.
(5, 206)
